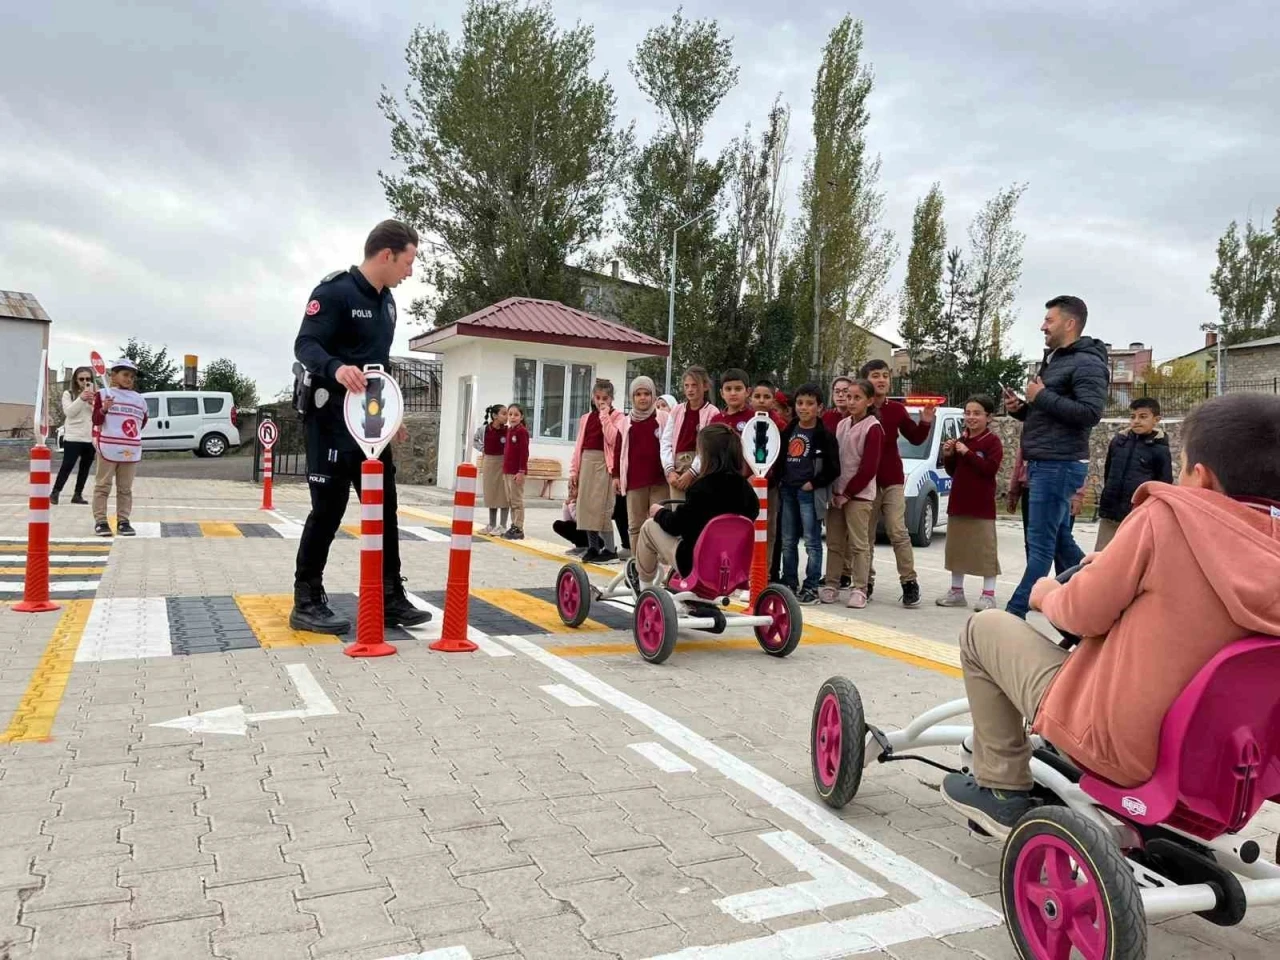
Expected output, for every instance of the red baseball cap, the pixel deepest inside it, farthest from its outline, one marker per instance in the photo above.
(780, 397)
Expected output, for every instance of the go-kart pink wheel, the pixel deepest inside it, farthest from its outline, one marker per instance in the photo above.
(655, 624)
(573, 595)
(781, 636)
(837, 738)
(1068, 892)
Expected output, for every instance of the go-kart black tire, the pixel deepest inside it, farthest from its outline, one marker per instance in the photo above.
(1116, 901)
(779, 602)
(573, 595)
(655, 624)
(837, 767)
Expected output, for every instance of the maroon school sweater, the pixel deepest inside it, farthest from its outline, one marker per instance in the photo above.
(515, 459)
(973, 476)
(895, 418)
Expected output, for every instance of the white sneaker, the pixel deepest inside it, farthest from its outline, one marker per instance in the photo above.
(857, 599)
(985, 602)
(952, 598)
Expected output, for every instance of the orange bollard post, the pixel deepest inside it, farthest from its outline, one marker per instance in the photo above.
(457, 598)
(370, 622)
(35, 587)
(759, 555)
(266, 480)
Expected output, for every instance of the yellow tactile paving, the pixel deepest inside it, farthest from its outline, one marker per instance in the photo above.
(536, 611)
(268, 617)
(59, 568)
(38, 708)
(351, 528)
(219, 528)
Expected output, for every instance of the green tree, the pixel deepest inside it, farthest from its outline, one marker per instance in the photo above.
(921, 303)
(685, 68)
(848, 251)
(221, 375)
(155, 370)
(1246, 281)
(995, 269)
(509, 155)
(775, 160)
(1181, 373)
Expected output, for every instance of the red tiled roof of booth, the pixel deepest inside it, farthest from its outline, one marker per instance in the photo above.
(524, 318)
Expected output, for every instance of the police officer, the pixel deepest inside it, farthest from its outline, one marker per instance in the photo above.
(350, 321)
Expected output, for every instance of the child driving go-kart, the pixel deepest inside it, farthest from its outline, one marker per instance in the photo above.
(1192, 568)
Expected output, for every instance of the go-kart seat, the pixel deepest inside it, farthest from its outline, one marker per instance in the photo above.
(1219, 756)
(721, 559)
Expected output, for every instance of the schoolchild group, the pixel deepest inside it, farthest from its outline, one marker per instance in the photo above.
(838, 468)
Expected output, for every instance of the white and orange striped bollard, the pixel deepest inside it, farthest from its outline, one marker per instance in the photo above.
(457, 597)
(370, 620)
(35, 587)
(759, 553)
(266, 480)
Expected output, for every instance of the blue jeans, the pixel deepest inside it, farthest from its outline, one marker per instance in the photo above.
(1049, 540)
(800, 517)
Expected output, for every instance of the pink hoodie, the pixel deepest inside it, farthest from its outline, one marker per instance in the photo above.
(609, 422)
(1188, 572)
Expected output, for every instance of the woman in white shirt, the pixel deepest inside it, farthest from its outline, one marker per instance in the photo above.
(77, 434)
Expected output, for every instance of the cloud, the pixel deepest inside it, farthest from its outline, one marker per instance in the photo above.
(186, 174)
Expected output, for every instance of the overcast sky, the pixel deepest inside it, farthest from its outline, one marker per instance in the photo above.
(187, 177)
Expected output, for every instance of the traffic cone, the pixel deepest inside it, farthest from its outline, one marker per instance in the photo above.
(35, 587)
(370, 622)
(759, 553)
(453, 632)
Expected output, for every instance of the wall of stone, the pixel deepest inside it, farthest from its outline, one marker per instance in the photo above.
(1010, 433)
(1255, 364)
(416, 459)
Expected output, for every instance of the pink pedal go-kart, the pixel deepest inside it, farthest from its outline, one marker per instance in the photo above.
(1082, 874)
(721, 567)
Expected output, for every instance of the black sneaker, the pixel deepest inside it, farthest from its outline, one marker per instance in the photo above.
(311, 611)
(911, 594)
(808, 597)
(397, 611)
(871, 587)
(607, 556)
(53, 497)
(633, 577)
(514, 533)
(79, 499)
(125, 529)
(994, 812)
(846, 583)
(590, 555)
(102, 529)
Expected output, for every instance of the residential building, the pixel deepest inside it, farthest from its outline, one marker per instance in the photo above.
(1128, 365)
(24, 333)
(537, 353)
(1254, 362)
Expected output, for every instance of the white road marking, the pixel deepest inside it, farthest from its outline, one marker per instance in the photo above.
(234, 720)
(942, 908)
(568, 696)
(431, 631)
(833, 883)
(57, 539)
(125, 628)
(662, 758)
(55, 586)
(444, 953)
(78, 559)
(427, 534)
(147, 530)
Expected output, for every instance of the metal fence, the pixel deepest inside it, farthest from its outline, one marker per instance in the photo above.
(420, 382)
(1175, 399)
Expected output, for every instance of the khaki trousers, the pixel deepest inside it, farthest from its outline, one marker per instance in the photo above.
(513, 483)
(892, 503)
(683, 461)
(1008, 666)
(839, 563)
(1106, 532)
(122, 475)
(856, 517)
(653, 546)
(638, 504)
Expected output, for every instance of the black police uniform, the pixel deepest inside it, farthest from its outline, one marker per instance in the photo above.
(346, 322)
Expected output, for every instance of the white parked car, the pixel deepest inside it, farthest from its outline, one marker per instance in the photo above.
(204, 422)
(197, 420)
(928, 485)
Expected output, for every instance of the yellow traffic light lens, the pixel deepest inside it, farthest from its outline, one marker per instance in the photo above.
(373, 408)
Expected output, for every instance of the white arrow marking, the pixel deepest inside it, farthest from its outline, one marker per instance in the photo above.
(235, 721)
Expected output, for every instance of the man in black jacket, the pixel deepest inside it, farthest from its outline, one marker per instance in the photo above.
(1063, 404)
(349, 321)
(1136, 455)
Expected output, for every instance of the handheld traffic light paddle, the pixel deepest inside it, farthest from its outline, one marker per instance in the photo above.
(373, 417)
(761, 444)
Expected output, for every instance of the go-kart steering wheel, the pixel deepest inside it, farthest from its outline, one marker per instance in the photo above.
(1068, 640)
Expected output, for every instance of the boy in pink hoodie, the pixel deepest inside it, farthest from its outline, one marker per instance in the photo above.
(1191, 569)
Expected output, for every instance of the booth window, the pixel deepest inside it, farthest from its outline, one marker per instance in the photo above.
(553, 395)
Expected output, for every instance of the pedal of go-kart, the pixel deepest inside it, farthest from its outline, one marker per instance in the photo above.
(886, 748)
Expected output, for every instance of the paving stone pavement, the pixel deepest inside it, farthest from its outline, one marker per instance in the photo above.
(456, 805)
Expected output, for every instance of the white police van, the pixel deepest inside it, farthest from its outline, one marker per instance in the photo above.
(928, 486)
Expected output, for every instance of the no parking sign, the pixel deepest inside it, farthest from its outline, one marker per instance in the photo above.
(761, 443)
(268, 433)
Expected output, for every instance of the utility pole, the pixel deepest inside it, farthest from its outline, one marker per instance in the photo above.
(671, 303)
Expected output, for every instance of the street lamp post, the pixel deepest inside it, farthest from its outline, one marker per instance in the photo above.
(1219, 339)
(671, 304)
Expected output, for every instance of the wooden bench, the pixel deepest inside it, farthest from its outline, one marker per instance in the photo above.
(546, 469)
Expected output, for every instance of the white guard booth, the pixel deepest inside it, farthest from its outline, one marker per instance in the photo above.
(537, 353)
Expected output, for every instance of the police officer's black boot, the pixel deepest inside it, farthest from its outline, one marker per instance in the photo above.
(311, 611)
(397, 611)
